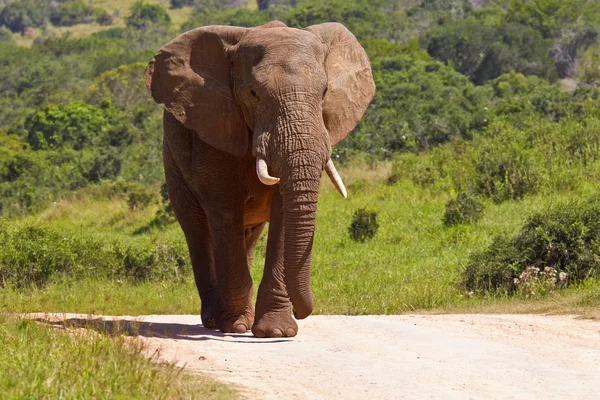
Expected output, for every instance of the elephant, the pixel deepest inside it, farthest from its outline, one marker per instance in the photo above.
(250, 118)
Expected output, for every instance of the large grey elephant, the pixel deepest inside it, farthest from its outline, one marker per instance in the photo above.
(250, 117)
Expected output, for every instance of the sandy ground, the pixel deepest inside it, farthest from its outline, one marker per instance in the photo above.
(385, 357)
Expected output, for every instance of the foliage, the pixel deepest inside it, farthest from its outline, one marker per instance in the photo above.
(72, 12)
(364, 225)
(484, 48)
(464, 209)
(565, 238)
(264, 4)
(20, 14)
(5, 35)
(181, 3)
(139, 197)
(207, 5)
(77, 126)
(143, 15)
(33, 254)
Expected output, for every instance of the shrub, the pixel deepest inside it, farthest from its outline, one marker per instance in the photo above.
(504, 173)
(364, 225)
(6, 35)
(464, 209)
(34, 253)
(181, 3)
(144, 15)
(565, 238)
(140, 197)
(76, 125)
(102, 16)
(31, 254)
(72, 12)
(20, 14)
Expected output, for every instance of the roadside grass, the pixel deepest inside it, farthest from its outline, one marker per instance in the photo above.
(413, 264)
(38, 361)
(104, 296)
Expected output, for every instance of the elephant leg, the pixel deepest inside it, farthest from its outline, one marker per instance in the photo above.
(194, 224)
(273, 305)
(231, 267)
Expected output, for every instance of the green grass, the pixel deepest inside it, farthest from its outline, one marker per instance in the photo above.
(413, 263)
(38, 361)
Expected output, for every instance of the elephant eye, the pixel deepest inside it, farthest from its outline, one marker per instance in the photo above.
(253, 93)
(324, 92)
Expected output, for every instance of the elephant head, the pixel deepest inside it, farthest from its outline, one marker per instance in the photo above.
(286, 95)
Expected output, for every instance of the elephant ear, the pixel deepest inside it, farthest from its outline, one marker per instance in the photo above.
(191, 76)
(350, 86)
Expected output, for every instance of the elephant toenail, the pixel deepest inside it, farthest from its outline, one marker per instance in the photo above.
(259, 333)
(289, 332)
(276, 333)
(240, 328)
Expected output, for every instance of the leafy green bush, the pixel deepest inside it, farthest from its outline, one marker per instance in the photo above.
(264, 4)
(140, 197)
(464, 209)
(34, 253)
(72, 12)
(181, 3)
(364, 225)
(565, 238)
(76, 125)
(20, 14)
(6, 35)
(102, 16)
(504, 168)
(484, 47)
(208, 5)
(143, 15)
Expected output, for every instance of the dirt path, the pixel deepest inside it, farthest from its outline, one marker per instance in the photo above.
(388, 357)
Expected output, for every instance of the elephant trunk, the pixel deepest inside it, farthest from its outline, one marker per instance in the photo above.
(299, 195)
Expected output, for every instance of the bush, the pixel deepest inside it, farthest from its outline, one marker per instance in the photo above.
(20, 14)
(208, 5)
(144, 15)
(564, 238)
(181, 3)
(140, 197)
(72, 12)
(504, 170)
(76, 125)
(34, 253)
(6, 35)
(364, 225)
(465, 209)
(102, 16)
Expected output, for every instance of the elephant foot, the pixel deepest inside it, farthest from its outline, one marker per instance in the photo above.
(238, 323)
(275, 324)
(208, 314)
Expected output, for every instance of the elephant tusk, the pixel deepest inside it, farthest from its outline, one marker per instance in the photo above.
(263, 173)
(336, 179)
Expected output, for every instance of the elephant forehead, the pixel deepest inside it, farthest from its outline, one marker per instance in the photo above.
(281, 41)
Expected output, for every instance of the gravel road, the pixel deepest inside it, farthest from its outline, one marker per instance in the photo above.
(385, 357)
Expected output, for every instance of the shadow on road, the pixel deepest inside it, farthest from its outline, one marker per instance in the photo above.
(153, 329)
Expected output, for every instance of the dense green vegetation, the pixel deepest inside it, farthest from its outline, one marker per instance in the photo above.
(494, 103)
(476, 165)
